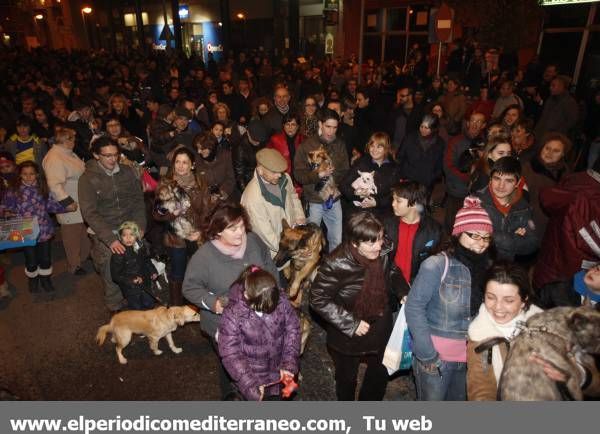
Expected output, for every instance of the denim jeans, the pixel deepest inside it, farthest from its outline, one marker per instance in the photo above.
(451, 385)
(333, 221)
(179, 259)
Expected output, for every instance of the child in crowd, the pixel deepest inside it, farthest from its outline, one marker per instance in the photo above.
(133, 271)
(27, 196)
(259, 335)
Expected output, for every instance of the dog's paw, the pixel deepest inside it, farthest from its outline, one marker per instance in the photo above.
(177, 350)
(158, 352)
(122, 360)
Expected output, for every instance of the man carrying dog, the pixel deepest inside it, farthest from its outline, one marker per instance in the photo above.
(271, 197)
(318, 209)
(109, 194)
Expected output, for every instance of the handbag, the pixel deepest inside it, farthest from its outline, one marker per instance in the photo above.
(149, 184)
(398, 352)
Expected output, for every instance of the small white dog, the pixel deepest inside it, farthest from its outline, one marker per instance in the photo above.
(364, 186)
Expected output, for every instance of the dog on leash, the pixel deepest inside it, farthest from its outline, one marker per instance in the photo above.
(320, 160)
(564, 337)
(301, 246)
(155, 324)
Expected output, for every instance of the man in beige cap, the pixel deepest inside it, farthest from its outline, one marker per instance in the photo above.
(270, 197)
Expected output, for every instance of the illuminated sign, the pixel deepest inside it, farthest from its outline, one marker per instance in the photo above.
(184, 11)
(212, 48)
(564, 2)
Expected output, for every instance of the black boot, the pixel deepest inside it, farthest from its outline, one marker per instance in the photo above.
(34, 284)
(46, 284)
(175, 296)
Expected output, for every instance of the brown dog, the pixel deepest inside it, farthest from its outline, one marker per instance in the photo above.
(320, 160)
(154, 324)
(301, 245)
(564, 337)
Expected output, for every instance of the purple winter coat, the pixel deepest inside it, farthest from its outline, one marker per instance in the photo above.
(253, 349)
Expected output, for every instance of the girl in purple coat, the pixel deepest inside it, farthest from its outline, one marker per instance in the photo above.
(27, 196)
(259, 335)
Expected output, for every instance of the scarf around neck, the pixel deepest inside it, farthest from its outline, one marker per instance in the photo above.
(372, 298)
(235, 252)
(477, 264)
(484, 327)
(185, 181)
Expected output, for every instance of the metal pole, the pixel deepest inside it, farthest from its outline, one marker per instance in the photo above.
(583, 45)
(439, 58)
(167, 32)
(360, 39)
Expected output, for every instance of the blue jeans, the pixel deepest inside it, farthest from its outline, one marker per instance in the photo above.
(179, 259)
(450, 386)
(332, 218)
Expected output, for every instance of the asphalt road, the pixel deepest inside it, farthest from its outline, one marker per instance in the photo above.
(48, 350)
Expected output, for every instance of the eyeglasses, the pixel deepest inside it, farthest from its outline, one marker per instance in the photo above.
(477, 237)
(109, 156)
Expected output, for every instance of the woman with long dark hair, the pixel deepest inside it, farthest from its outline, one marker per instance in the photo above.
(181, 173)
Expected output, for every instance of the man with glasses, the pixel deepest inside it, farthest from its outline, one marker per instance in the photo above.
(109, 194)
(512, 217)
(457, 177)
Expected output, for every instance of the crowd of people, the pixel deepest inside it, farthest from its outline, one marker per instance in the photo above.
(162, 156)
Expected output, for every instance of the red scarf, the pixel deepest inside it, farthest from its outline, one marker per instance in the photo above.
(372, 298)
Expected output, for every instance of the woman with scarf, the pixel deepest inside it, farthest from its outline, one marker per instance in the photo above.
(181, 173)
(506, 302)
(421, 155)
(216, 265)
(445, 295)
(545, 170)
(351, 294)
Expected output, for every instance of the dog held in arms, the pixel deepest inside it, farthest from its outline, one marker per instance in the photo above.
(301, 246)
(174, 200)
(319, 160)
(567, 338)
(155, 324)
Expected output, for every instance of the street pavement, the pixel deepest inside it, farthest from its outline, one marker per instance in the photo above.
(48, 350)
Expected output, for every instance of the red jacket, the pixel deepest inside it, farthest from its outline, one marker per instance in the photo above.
(279, 142)
(573, 232)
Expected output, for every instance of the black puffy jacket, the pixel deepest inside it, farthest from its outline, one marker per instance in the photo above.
(126, 267)
(333, 294)
(244, 161)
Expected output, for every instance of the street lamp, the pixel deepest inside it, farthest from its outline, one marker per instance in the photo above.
(86, 10)
(39, 17)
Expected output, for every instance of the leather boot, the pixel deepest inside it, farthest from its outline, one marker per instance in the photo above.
(34, 284)
(175, 296)
(46, 284)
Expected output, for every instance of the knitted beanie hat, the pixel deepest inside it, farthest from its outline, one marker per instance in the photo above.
(472, 217)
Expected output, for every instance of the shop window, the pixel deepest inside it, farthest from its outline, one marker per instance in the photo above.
(566, 16)
(562, 49)
(395, 48)
(372, 47)
(396, 19)
(419, 18)
(373, 20)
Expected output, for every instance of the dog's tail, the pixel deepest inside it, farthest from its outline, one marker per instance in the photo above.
(102, 332)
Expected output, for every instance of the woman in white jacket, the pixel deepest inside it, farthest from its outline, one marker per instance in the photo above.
(506, 304)
(63, 168)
